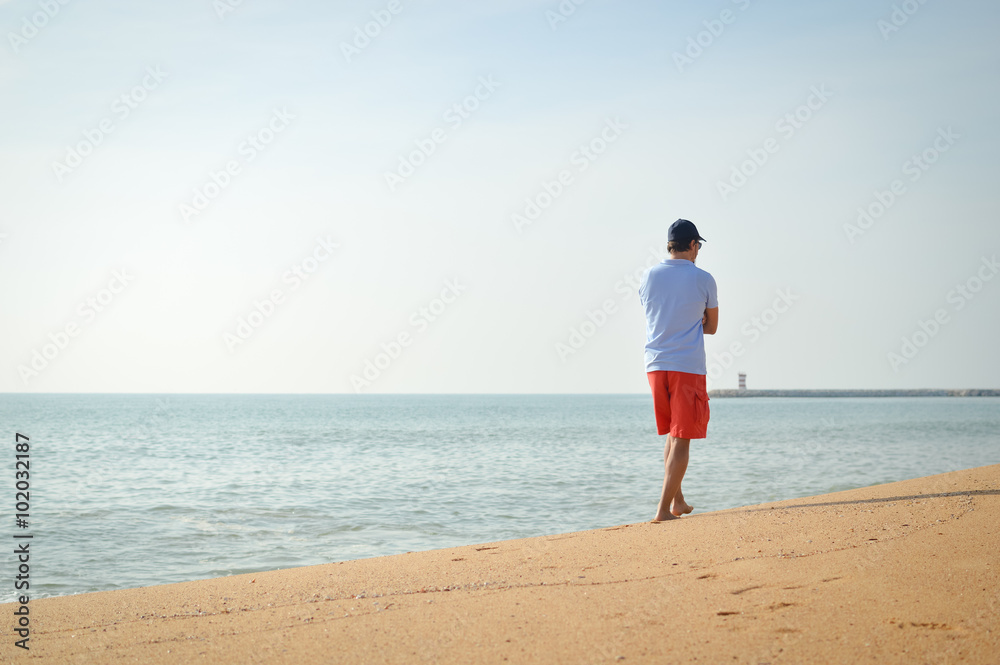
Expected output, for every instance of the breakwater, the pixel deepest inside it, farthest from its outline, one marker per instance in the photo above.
(964, 392)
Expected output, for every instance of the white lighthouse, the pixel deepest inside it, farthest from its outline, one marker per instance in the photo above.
(743, 380)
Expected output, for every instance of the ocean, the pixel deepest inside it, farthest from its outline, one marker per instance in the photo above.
(137, 490)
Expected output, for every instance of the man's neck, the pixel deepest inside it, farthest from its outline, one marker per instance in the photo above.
(687, 256)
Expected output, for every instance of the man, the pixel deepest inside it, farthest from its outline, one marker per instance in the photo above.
(681, 306)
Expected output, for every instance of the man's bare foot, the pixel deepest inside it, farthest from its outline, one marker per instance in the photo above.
(663, 518)
(679, 508)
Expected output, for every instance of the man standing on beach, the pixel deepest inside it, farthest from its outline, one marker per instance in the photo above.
(681, 306)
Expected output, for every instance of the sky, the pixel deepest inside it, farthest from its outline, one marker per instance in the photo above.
(453, 197)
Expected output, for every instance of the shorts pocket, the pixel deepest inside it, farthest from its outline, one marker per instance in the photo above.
(701, 408)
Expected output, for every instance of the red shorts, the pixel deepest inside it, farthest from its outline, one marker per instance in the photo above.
(681, 404)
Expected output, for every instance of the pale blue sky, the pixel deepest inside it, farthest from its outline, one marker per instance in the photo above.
(521, 294)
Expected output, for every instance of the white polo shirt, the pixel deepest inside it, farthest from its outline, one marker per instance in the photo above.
(675, 294)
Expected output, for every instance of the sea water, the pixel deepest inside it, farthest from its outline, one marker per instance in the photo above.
(136, 490)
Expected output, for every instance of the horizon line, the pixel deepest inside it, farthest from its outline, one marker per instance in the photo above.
(745, 390)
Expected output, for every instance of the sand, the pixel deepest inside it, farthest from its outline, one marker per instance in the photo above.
(899, 573)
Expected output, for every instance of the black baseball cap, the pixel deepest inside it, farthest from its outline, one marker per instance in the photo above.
(683, 230)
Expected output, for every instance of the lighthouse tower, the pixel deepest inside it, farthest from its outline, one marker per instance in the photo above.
(743, 380)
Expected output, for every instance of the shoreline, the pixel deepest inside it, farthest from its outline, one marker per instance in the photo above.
(901, 572)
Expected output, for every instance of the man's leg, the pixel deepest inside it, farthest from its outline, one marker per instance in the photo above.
(679, 506)
(675, 461)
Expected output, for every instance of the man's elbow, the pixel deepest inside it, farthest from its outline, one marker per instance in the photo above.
(711, 331)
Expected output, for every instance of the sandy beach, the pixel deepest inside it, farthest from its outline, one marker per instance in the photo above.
(904, 572)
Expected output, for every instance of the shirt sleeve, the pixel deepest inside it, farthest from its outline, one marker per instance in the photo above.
(642, 288)
(713, 294)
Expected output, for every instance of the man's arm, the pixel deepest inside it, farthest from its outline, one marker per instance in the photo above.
(710, 322)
